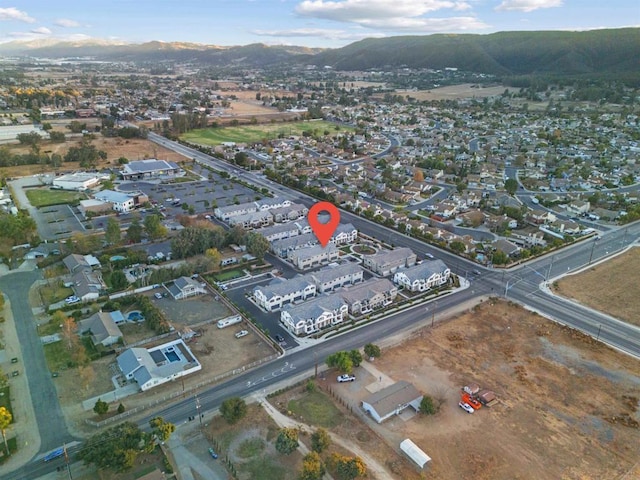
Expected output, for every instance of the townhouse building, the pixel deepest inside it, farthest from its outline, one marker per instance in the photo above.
(309, 257)
(282, 247)
(252, 220)
(314, 315)
(421, 278)
(368, 296)
(289, 213)
(280, 292)
(386, 262)
(330, 278)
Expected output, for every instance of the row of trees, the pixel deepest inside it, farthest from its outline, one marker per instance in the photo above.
(345, 361)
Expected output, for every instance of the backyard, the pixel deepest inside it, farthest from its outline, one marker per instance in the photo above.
(256, 133)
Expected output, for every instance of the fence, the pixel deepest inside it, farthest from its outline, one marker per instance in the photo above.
(217, 378)
(132, 292)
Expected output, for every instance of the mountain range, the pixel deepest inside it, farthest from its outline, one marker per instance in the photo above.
(606, 51)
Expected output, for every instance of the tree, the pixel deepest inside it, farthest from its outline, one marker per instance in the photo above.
(161, 429)
(257, 244)
(121, 408)
(348, 468)
(233, 409)
(118, 281)
(511, 185)
(31, 139)
(428, 406)
(320, 440)
(312, 467)
(287, 441)
(134, 232)
(115, 448)
(112, 233)
(356, 357)
(153, 227)
(101, 407)
(340, 360)
(372, 351)
(214, 255)
(57, 137)
(418, 175)
(499, 257)
(457, 246)
(5, 420)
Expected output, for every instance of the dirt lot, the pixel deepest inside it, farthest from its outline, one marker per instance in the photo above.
(617, 299)
(568, 406)
(133, 149)
(453, 92)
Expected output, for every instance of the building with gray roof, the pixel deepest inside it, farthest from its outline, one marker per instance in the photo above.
(368, 296)
(332, 277)
(283, 246)
(423, 277)
(312, 316)
(392, 400)
(309, 257)
(280, 292)
(149, 168)
(387, 262)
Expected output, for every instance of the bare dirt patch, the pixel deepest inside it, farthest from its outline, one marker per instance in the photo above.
(132, 149)
(568, 405)
(605, 287)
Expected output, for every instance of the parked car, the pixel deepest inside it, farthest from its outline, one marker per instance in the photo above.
(346, 378)
(280, 339)
(72, 299)
(213, 453)
(158, 295)
(466, 407)
(242, 333)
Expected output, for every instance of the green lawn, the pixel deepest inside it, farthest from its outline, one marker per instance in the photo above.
(228, 275)
(316, 409)
(58, 356)
(256, 133)
(44, 197)
(265, 468)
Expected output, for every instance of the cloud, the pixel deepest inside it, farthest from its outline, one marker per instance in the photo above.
(66, 23)
(527, 5)
(394, 15)
(41, 31)
(13, 13)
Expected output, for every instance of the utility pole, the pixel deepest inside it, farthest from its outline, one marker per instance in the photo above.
(66, 460)
(593, 247)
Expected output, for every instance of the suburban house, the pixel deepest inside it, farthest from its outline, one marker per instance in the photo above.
(225, 213)
(386, 262)
(155, 366)
(330, 278)
(314, 315)
(150, 168)
(120, 202)
(280, 292)
(102, 328)
(392, 400)
(75, 262)
(505, 246)
(308, 257)
(86, 283)
(79, 181)
(368, 296)
(185, 287)
(421, 278)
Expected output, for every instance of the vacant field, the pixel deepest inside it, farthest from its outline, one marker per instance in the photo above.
(256, 133)
(568, 405)
(605, 287)
(132, 149)
(45, 197)
(250, 445)
(453, 92)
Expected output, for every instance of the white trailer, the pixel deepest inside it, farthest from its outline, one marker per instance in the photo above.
(225, 322)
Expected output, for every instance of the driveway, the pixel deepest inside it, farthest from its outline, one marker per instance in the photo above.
(48, 414)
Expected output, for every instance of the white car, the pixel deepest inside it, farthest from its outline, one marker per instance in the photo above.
(158, 295)
(346, 378)
(466, 407)
(72, 299)
(428, 255)
(242, 333)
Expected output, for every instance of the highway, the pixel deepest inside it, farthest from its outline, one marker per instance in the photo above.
(521, 284)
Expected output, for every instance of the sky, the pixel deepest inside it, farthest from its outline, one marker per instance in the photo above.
(312, 23)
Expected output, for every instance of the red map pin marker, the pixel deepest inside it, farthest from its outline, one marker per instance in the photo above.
(323, 231)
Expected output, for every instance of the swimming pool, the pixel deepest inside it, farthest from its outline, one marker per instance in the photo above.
(172, 356)
(135, 316)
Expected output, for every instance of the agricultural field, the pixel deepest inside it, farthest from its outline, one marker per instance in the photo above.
(258, 132)
(454, 92)
(45, 197)
(617, 299)
(568, 405)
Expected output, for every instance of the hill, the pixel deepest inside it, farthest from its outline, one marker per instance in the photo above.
(594, 52)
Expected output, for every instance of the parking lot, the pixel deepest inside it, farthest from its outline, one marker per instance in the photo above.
(190, 311)
(58, 221)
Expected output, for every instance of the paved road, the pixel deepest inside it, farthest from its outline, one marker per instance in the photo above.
(49, 418)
